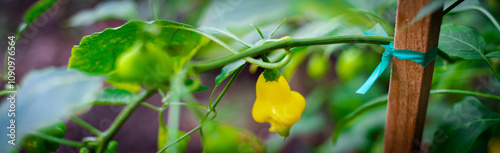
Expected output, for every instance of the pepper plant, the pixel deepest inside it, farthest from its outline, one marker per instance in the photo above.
(142, 58)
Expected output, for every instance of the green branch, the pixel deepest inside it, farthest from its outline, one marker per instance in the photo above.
(212, 110)
(58, 140)
(187, 105)
(465, 92)
(150, 106)
(4, 92)
(287, 44)
(85, 125)
(182, 137)
(120, 120)
(452, 6)
(226, 88)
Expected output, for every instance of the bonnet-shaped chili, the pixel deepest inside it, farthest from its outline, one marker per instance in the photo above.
(276, 103)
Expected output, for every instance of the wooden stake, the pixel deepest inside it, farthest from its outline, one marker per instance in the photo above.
(410, 83)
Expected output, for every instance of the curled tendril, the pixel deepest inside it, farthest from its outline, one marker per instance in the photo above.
(267, 65)
(215, 114)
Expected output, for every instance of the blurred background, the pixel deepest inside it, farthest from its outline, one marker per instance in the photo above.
(327, 76)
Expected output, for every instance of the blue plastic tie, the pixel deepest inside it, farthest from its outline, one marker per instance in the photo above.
(421, 58)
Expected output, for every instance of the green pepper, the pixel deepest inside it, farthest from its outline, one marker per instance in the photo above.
(318, 65)
(144, 63)
(34, 144)
(84, 150)
(112, 145)
(350, 63)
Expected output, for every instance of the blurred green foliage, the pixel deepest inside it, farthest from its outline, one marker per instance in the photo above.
(335, 71)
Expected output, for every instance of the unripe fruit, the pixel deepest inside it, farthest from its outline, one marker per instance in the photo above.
(318, 66)
(35, 144)
(350, 64)
(145, 64)
(220, 138)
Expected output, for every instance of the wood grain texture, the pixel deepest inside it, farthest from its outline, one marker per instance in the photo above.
(410, 83)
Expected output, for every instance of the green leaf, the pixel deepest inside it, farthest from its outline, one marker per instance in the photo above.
(35, 11)
(113, 96)
(46, 96)
(475, 5)
(343, 123)
(126, 10)
(97, 53)
(360, 136)
(202, 88)
(258, 30)
(464, 123)
(494, 54)
(224, 32)
(277, 28)
(461, 41)
(432, 6)
(195, 86)
(461, 6)
(227, 70)
(129, 86)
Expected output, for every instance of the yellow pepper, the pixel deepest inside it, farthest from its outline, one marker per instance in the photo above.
(277, 104)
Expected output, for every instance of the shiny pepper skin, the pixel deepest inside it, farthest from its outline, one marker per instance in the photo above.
(277, 105)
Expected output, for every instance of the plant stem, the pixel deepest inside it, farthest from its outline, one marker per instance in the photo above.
(264, 57)
(4, 92)
(227, 87)
(491, 67)
(174, 112)
(162, 94)
(182, 137)
(162, 127)
(455, 4)
(120, 120)
(188, 105)
(210, 65)
(465, 92)
(59, 140)
(382, 101)
(150, 106)
(85, 125)
(208, 113)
